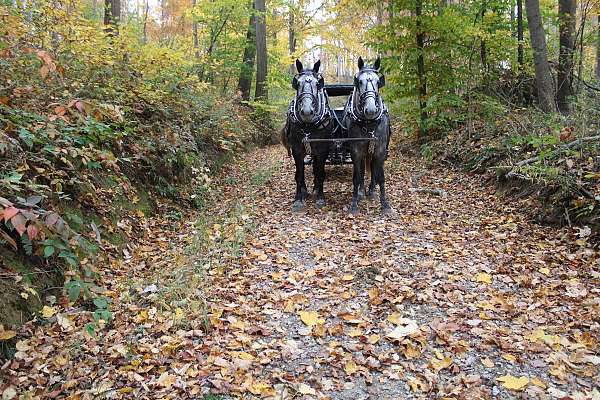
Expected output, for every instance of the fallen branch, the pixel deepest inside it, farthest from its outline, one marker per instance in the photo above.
(563, 147)
(435, 192)
(415, 189)
(597, 89)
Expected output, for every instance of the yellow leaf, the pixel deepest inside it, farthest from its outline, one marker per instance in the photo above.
(374, 339)
(484, 278)
(513, 383)
(48, 312)
(260, 388)
(245, 356)
(395, 318)
(439, 365)
(487, 362)
(347, 277)
(309, 318)
(509, 357)
(305, 389)
(6, 335)
(545, 271)
(538, 382)
(166, 380)
(178, 313)
(350, 367)
(536, 335)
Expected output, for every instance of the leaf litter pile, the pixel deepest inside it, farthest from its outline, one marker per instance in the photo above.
(458, 296)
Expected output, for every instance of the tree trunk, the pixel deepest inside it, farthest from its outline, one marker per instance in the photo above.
(566, 18)
(597, 72)
(247, 69)
(261, 94)
(145, 27)
(422, 79)
(520, 34)
(112, 13)
(292, 35)
(543, 77)
(483, 49)
(194, 33)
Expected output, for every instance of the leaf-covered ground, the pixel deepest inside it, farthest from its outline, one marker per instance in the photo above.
(458, 296)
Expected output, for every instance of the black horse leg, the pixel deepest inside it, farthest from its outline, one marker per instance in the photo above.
(361, 188)
(300, 183)
(385, 207)
(357, 179)
(319, 171)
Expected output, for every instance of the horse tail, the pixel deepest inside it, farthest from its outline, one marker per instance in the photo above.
(283, 137)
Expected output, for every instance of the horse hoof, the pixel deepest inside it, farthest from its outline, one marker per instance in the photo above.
(320, 203)
(371, 195)
(354, 210)
(298, 206)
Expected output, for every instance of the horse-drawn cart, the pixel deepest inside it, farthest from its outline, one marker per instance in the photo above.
(339, 152)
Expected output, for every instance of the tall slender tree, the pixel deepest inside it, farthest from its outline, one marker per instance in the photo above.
(543, 77)
(520, 34)
(421, 78)
(567, 10)
(247, 68)
(261, 92)
(597, 70)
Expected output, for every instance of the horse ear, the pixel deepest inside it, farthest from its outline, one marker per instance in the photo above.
(321, 82)
(299, 66)
(381, 81)
(377, 64)
(361, 63)
(295, 83)
(317, 66)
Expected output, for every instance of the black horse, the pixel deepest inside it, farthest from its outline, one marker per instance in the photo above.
(309, 117)
(366, 116)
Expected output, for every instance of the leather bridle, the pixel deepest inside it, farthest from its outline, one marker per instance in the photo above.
(356, 110)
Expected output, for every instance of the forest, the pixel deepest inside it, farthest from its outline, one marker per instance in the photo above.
(148, 249)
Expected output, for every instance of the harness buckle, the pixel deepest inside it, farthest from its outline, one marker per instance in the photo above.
(306, 143)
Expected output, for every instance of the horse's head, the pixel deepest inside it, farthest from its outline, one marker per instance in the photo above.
(307, 83)
(367, 83)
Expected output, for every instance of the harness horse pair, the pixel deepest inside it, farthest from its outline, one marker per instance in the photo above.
(361, 130)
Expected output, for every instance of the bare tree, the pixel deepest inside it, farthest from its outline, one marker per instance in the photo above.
(567, 10)
(261, 92)
(247, 69)
(543, 77)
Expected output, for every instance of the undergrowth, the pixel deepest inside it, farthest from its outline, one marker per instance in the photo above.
(552, 158)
